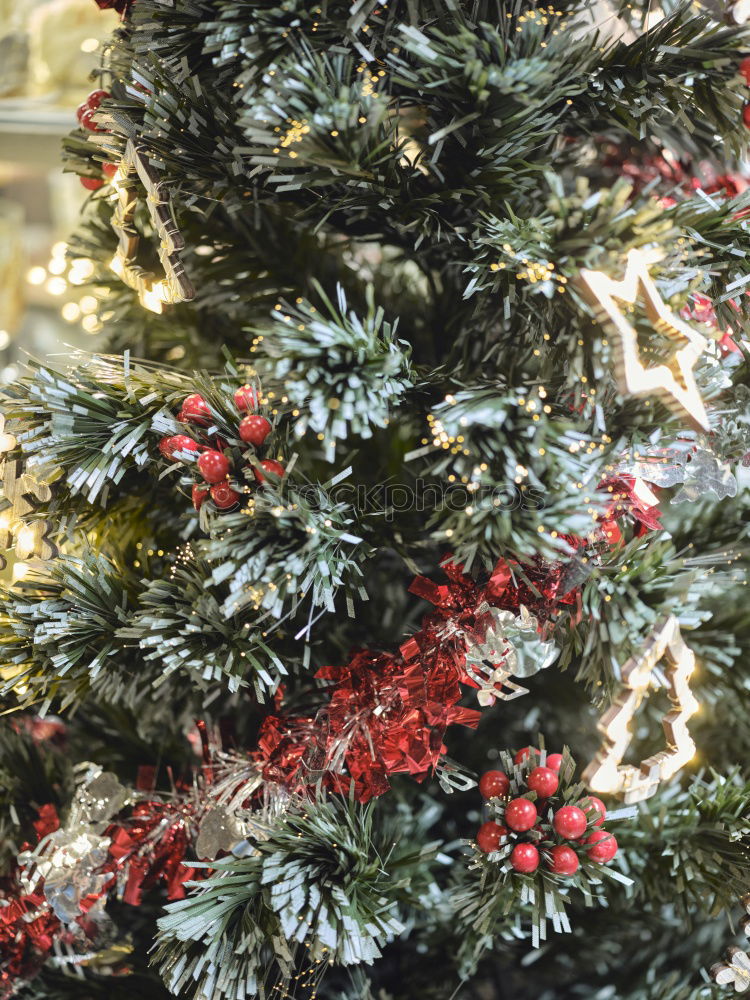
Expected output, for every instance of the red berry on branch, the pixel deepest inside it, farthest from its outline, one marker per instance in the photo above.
(88, 122)
(744, 69)
(570, 822)
(543, 781)
(595, 810)
(213, 466)
(91, 183)
(746, 115)
(246, 398)
(523, 754)
(520, 814)
(254, 429)
(563, 860)
(96, 97)
(199, 494)
(554, 760)
(195, 410)
(494, 784)
(224, 496)
(164, 446)
(81, 110)
(603, 846)
(181, 443)
(524, 858)
(109, 169)
(489, 836)
(269, 465)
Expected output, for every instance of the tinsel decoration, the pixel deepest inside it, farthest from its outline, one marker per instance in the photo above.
(693, 464)
(123, 842)
(388, 713)
(506, 646)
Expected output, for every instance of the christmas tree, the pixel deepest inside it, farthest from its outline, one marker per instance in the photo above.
(382, 631)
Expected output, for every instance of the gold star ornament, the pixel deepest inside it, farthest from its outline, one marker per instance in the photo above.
(673, 381)
(606, 773)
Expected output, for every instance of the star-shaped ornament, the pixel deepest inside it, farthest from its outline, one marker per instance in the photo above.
(673, 381)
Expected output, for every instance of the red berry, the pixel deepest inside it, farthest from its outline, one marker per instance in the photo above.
(269, 465)
(224, 496)
(523, 754)
(181, 443)
(554, 760)
(87, 120)
(81, 110)
(746, 115)
(195, 410)
(595, 810)
(744, 69)
(489, 836)
(109, 169)
(524, 858)
(246, 398)
(199, 494)
(91, 183)
(96, 97)
(494, 784)
(570, 822)
(254, 429)
(176, 442)
(213, 466)
(543, 781)
(520, 814)
(604, 846)
(563, 860)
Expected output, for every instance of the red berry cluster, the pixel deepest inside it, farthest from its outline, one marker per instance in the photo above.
(535, 826)
(745, 71)
(213, 462)
(85, 114)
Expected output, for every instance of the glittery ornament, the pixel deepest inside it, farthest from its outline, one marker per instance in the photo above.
(663, 467)
(70, 868)
(705, 473)
(174, 286)
(218, 831)
(504, 645)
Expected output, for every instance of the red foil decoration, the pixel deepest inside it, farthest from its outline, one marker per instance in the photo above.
(28, 931)
(150, 847)
(388, 712)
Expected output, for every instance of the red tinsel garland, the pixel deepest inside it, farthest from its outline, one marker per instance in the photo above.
(388, 712)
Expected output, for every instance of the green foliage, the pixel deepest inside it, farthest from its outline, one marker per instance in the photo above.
(452, 163)
(296, 546)
(59, 634)
(324, 888)
(690, 847)
(180, 626)
(344, 373)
